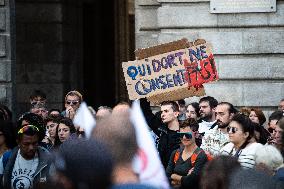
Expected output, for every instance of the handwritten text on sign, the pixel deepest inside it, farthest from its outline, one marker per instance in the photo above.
(200, 67)
(169, 72)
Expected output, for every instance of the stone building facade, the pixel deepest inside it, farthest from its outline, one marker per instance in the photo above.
(7, 52)
(61, 45)
(64, 45)
(248, 47)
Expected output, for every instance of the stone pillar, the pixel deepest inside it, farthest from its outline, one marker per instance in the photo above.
(7, 53)
(122, 46)
(48, 50)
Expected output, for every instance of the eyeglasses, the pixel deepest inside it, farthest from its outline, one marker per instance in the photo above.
(74, 102)
(27, 127)
(187, 135)
(232, 129)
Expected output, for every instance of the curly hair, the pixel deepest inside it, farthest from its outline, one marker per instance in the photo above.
(192, 123)
(32, 119)
(260, 115)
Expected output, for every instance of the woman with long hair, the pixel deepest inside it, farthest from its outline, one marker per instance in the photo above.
(64, 131)
(192, 111)
(241, 146)
(257, 116)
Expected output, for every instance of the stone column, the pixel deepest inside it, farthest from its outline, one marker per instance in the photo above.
(7, 52)
(122, 46)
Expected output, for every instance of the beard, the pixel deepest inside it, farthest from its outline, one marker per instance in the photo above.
(206, 117)
(222, 125)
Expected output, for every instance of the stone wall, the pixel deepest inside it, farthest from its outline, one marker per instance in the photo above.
(7, 56)
(248, 47)
(47, 50)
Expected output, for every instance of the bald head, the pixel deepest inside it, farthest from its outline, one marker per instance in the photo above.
(121, 108)
(103, 112)
(117, 132)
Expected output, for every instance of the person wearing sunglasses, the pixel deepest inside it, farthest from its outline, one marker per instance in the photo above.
(217, 137)
(186, 163)
(38, 97)
(73, 100)
(241, 131)
(28, 164)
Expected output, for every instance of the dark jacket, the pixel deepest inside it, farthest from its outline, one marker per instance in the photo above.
(42, 173)
(182, 168)
(168, 140)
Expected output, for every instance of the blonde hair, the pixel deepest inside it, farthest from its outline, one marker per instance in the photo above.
(74, 93)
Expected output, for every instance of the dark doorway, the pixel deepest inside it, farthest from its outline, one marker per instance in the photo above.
(98, 53)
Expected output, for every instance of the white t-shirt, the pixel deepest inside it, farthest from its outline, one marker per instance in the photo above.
(23, 172)
(246, 155)
(204, 126)
(213, 140)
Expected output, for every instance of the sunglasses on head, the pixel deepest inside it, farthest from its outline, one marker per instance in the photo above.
(187, 135)
(69, 102)
(27, 127)
(37, 102)
(232, 129)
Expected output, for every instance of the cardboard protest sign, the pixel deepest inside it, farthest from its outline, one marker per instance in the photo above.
(200, 65)
(170, 71)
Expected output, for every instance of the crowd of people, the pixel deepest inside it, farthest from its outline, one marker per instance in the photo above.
(206, 144)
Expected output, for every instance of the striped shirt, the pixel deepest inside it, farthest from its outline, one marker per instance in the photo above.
(246, 156)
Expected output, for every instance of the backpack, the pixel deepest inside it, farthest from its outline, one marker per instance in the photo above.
(193, 156)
